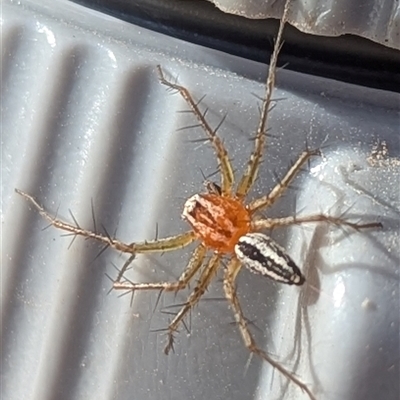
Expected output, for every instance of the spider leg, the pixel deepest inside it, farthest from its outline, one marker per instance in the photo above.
(250, 174)
(151, 246)
(222, 155)
(205, 278)
(230, 293)
(276, 192)
(195, 262)
(270, 223)
(127, 263)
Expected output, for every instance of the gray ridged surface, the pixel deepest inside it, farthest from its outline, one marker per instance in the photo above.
(85, 119)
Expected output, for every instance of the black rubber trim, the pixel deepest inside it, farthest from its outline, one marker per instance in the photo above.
(347, 58)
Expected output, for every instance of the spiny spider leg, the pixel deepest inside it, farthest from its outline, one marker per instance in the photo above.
(151, 246)
(193, 266)
(251, 172)
(127, 263)
(270, 223)
(225, 165)
(205, 279)
(230, 292)
(276, 192)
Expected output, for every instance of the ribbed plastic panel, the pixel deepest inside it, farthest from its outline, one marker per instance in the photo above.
(85, 121)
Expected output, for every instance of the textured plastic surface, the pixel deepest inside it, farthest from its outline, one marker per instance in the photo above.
(375, 20)
(84, 120)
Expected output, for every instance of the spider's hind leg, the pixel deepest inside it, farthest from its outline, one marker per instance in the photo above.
(204, 280)
(195, 263)
(230, 293)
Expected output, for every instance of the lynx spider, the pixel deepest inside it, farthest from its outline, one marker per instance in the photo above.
(227, 236)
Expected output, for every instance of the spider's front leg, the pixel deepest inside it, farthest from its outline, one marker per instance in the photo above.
(224, 163)
(251, 172)
(230, 293)
(270, 223)
(276, 192)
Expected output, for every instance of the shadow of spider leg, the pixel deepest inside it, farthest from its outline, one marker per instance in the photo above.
(230, 292)
(205, 278)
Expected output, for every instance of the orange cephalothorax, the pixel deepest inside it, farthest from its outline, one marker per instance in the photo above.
(218, 221)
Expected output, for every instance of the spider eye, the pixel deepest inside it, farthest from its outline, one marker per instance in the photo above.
(212, 187)
(261, 255)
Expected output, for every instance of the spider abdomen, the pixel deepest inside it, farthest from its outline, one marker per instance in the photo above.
(261, 255)
(218, 221)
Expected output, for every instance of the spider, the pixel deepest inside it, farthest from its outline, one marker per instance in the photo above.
(225, 225)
